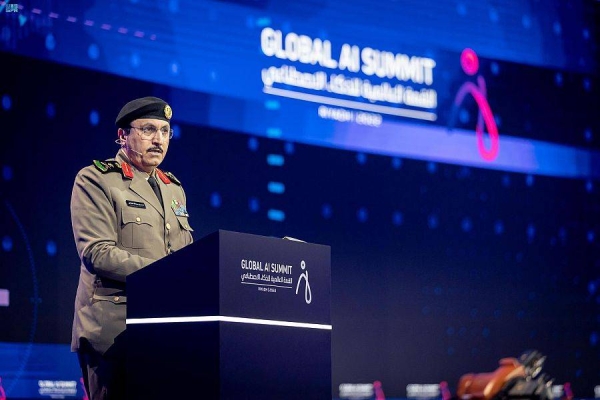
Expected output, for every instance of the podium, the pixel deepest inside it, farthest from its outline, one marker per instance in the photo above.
(232, 316)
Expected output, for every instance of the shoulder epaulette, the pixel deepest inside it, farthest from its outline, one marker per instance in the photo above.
(107, 166)
(172, 178)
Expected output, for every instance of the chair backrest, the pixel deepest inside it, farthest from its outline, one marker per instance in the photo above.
(485, 386)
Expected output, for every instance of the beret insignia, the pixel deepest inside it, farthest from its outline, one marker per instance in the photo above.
(168, 111)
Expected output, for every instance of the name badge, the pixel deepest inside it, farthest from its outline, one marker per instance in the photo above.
(135, 204)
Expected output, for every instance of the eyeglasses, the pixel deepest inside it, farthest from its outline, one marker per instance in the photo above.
(147, 132)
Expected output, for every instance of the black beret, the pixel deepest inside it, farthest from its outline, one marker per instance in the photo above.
(146, 107)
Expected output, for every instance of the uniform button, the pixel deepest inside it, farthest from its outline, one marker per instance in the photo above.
(117, 298)
(138, 219)
(168, 226)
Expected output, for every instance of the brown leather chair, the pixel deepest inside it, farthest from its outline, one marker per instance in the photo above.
(485, 386)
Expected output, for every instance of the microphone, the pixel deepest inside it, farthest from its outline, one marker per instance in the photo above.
(132, 149)
(123, 143)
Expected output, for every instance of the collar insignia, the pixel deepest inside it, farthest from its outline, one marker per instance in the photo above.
(127, 171)
(162, 176)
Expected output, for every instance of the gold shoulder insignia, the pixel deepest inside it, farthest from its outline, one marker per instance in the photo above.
(172, 178)
(107, 166)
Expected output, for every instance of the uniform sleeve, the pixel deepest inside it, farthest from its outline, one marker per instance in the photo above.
(95, 227)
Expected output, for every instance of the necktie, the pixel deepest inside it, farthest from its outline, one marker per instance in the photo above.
(156, 189)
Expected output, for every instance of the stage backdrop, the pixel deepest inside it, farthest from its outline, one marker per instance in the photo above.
(449, 153)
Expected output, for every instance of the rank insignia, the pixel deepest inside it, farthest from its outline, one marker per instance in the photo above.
(168, 112)
(179, 208)
(107, 166)
(101, 166)
(172, 178)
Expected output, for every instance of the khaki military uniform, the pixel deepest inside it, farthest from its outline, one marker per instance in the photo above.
(119, 227)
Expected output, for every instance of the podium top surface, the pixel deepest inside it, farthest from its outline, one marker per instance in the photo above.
(236, 275)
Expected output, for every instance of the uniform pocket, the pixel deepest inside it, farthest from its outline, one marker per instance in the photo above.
(183, 222)
(136, 229)
(115, 296)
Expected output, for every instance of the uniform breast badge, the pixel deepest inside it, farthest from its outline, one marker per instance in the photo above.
(179, 208)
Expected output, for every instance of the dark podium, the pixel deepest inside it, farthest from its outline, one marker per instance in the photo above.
(232, 316)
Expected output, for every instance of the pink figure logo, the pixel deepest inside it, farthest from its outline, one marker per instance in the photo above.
(377, 388)
(445, 391)
(470, 64)
(2, 392)
(568, 392)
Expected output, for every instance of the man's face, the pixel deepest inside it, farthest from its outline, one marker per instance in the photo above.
(147, 143)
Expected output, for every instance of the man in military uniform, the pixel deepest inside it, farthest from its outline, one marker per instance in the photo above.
(126, 214)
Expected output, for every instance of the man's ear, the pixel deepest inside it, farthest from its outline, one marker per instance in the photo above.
(121, 136)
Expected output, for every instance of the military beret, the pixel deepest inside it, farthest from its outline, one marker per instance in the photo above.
(146, 107)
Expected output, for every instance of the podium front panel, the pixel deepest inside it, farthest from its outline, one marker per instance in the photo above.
(232, 316)
(274, 279)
